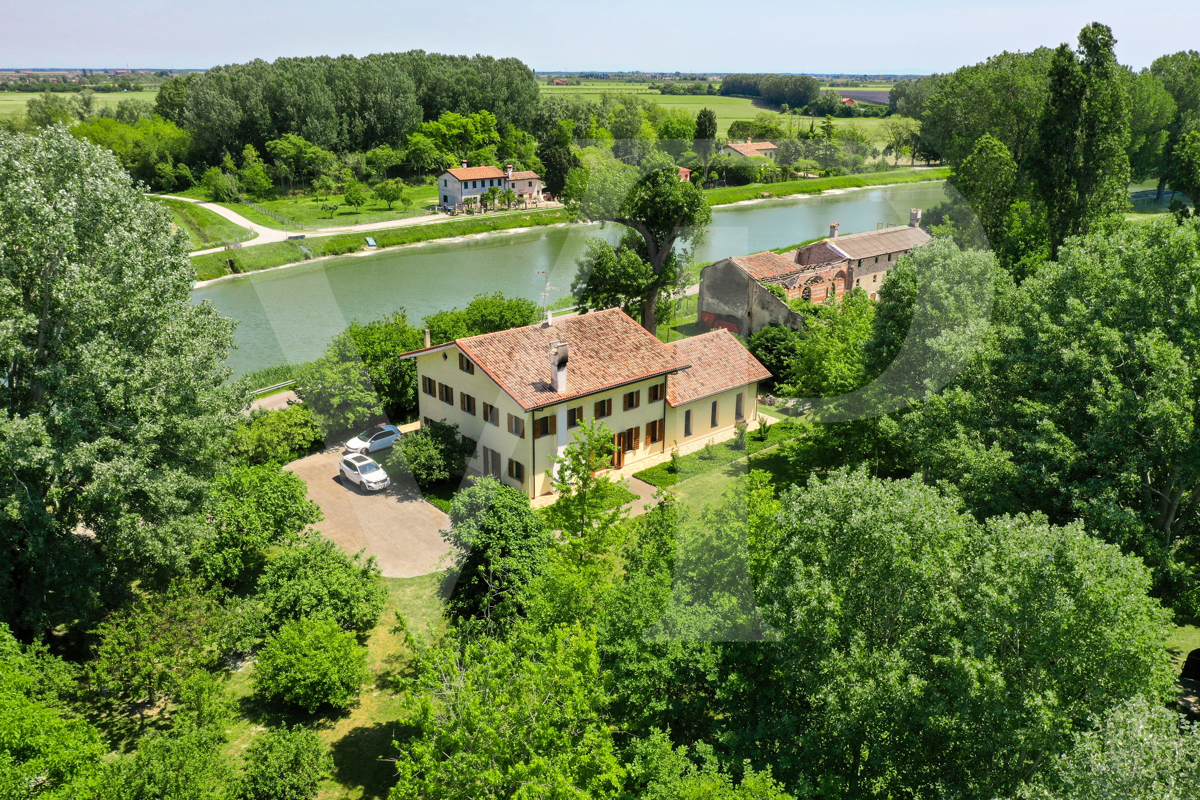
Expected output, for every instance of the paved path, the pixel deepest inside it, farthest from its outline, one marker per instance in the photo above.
(396, 525)
(275, 402)
(268, 235)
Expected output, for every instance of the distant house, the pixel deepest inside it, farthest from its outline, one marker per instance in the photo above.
(518, 398)
(685, 174)
(560, 82)
(749, 149)
(849, 101)
(733, 291)
(455, 186)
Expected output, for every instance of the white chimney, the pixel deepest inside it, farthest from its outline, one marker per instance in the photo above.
(558, 366)
(914, 217)
(464, 163)
(833, 230)
(427, 337)
(508, 170)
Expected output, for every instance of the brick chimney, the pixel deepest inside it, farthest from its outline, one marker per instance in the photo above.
(833, 230)
(914, 217)
(558, 366)
(508, 171)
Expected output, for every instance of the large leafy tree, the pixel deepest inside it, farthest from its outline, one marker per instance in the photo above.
(705, 143)
(1081, 164)
(520, 717)
(919, 649)
(317, 580)
(1180, 75)
(114, 413)
(664, 211)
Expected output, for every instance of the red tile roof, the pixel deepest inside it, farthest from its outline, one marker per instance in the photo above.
(525, 176)
(751, 148)
(719, 363)
(607, 349)
(818, 253)
(475, 173)
(766, 266)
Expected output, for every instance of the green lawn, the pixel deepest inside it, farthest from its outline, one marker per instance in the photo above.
(265, 256)
(716, 456)
(12, 104)
(301, 211)
(205, 228)
(1182, 641)
(753, 191)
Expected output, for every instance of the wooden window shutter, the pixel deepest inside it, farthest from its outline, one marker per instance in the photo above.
(637, 399)
(637, 437)
(608, 407)
(511, 468)
(625, 401)
(554, 424)
(462, 401)
(599, 409)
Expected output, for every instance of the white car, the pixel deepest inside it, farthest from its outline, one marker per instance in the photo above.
(372, 439)
(364, 473)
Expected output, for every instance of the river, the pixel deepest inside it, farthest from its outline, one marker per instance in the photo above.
(290, 315)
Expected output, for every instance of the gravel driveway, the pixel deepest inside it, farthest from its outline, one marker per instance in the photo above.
(396, 525)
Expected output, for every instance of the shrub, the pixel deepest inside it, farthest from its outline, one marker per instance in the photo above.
(432, 454)
(284, 764)
(279, 436)
(317, 580)
(739, 437)
(311, 663)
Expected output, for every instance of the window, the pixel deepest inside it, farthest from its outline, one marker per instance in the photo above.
(491, 414)
(858, 281)
(544, 426)
(429, 386)
(656, 430)
(531, 184)
(574, 417)
(656, 392)
(445, 394)
(633, 438)
(465, 364)
(426, 422)
(714, 414)
(516, 471)
(876, 259)
(516, 426)
(604, 409)
(633, 399)
(466, 403)
(874, 278)
(687, 422)
(445, 183)
(469, 445)
(491, 463)
(738, 410)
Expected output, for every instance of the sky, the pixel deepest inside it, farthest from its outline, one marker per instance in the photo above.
(852, 36)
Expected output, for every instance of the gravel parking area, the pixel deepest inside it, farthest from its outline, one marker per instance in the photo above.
(395, 525)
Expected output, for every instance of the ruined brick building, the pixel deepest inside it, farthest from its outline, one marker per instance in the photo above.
(733, 293)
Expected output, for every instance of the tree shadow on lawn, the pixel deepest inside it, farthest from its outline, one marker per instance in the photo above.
(274, 715)
(360, 758)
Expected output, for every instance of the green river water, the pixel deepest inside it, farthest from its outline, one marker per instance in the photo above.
(290, 315)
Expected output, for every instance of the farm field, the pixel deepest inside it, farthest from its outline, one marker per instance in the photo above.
(12, 104)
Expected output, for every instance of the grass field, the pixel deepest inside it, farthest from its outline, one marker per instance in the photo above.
(304, 211)
(753, 191)
(12, 104)
(729, 109)
(205, 228)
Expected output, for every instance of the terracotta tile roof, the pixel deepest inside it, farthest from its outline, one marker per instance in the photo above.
(818, 253)
(475, 173)
(751, 148)
(607, 349)
(719, 363)
(868, 244)
(766, 266)
(525, 176)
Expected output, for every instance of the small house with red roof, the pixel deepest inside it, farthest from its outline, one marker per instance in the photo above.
(519, 395)
(457, 186)
(749, 149)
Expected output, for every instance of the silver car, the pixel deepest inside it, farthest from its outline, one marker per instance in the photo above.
(373, 439)
(364, 473)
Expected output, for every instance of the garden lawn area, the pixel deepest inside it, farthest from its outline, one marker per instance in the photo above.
(707, 488)
(361, 736)
(303, 211)
(275, 254)
(1183, 640)
(205, 228)
(719, 455)
(686, 322)
(12, 104)
(754, 191)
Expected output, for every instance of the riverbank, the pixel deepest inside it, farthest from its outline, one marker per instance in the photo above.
(213, 266)
(761, 192)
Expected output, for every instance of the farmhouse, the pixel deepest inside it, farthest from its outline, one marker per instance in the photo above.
(733, 293)
(456, 186)
(749, 149)
(519, 394)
